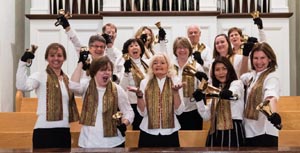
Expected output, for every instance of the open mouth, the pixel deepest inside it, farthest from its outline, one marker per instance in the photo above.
(135, 52)
(105, 78)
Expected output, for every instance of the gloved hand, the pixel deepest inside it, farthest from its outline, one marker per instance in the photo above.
(62, 20)
(275, 119)
(143, 37)
(247, 48)
(197, 57)
(258, 22)
(161, 34)
(107, 38)
(199, 95)
(114, 78)
(83, 57)
(226, 94)
(122, 129)
(199, 75)
(252, 39)
(127, 66)
(26, 56)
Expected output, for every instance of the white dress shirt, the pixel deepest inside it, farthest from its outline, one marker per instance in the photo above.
(144, 114)
(92, 136)
(38, 82)
(271, 88)
(207, 57)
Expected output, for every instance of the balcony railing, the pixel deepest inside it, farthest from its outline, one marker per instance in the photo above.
(96, 6)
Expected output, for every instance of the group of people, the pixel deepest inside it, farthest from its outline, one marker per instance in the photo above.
(157, 95)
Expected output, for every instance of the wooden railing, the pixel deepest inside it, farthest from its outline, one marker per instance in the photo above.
(96, 6)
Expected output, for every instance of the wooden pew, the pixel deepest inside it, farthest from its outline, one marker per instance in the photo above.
(289, 103)
(17, 128)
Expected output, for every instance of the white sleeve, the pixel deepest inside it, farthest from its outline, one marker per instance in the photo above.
(237, 88)
(75, 40)
(79, 88)
(262, 35)
(23, 82)
(204, 110)
(124, 105)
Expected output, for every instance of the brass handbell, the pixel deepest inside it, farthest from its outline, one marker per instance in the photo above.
(190, 70)
(62, 13)
(158, 25)
(32, 50)
(265, 108)
(117, 117)
(255, 14)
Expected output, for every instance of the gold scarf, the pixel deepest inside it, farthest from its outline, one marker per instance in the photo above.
(255, 96)
(110, 106)
(54, 98)
(147, 50)
(188, 89)
(160, 106)
(220, 115)
(137, 74)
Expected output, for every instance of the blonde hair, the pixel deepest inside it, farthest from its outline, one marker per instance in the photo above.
(171, 70)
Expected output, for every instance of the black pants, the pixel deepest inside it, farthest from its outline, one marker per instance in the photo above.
(137, 118)
(51, 138)
(190, 120)
(264, 140)
(148, 140)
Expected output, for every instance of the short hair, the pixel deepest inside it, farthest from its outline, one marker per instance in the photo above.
(235, 29)
(171, 70)
(130, 41)
(95, 38)
(100, 64)
(231, 74)
(216, 53)
(109, 25)
(55, 46)
(183, 42)
(267, 49)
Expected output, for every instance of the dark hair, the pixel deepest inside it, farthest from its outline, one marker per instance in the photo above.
(129, 42)
(267, 49)
(100, 64)
(55, 46)
(231, 75)
(184, 42)
(95, 38)
(109, 25)
(235, 29)
(216, 53)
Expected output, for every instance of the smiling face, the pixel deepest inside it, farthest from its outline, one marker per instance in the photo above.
(160, 67)
(194, 34)
(220, 72)
(134, 50)
(182, 52)
(103, 75)
(55, 58)
(111, 31)
(260, 61)
(97, 49)
(221, 45)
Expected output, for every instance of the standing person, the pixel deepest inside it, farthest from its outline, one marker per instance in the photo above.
(102, 98)
(56, 103)
(226, 115)
(262, 85)
(159, 101)
(132, 69)
(202, 53)
(190, 119)
(151, 44)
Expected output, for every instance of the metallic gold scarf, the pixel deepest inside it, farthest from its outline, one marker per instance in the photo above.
(110, 106)
(255, 96)
(137, 74)
(220, 115)
(54, 98)
(147, 51)
(160, 106)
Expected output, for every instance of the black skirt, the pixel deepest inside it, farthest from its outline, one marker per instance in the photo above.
(51, 138)
(190, 120)
(149, 140)
(228, 138)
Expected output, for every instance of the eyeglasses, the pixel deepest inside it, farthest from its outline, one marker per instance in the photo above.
(101, 47)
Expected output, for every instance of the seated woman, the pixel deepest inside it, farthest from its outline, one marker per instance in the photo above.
(159, 101)
(225, 114)
(102, 98)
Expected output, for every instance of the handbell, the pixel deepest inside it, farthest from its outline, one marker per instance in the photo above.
(126, 56)
(62, 13)
(265, 108)
(117, 117)
(255, 14)
(32, 50)
(189, 70)
(158, 24)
